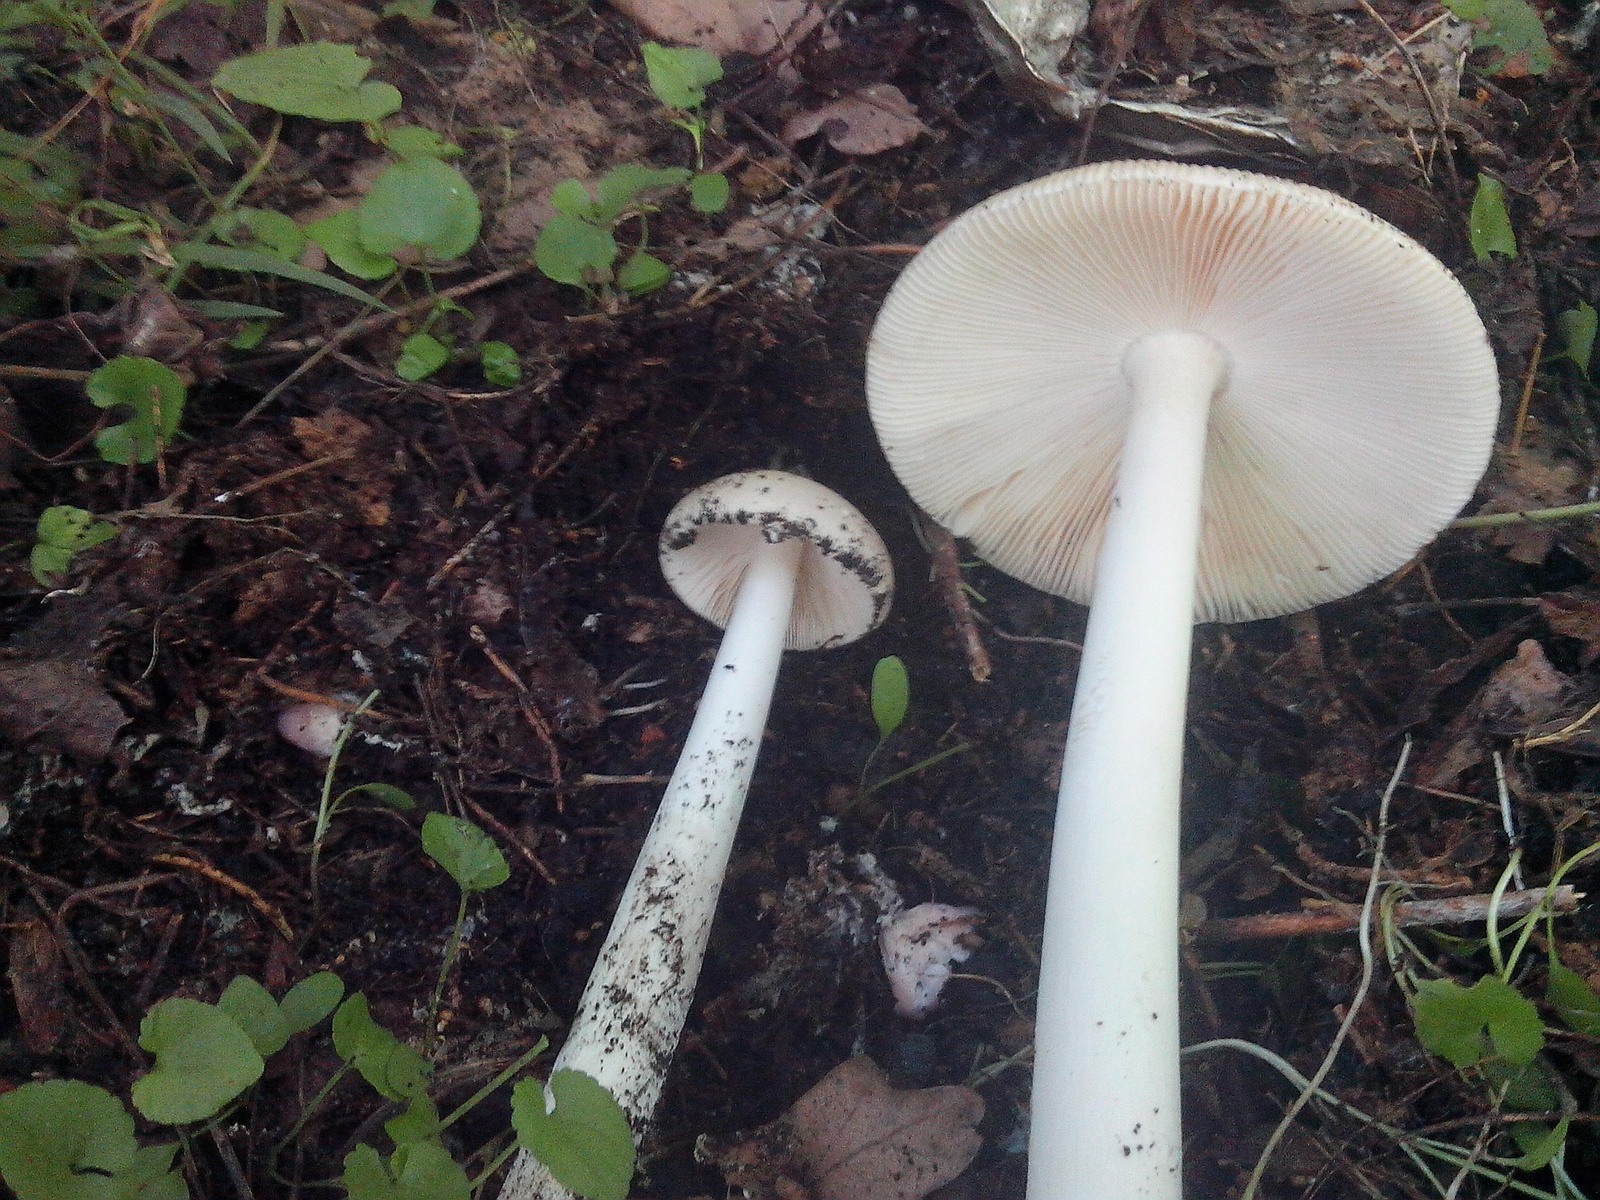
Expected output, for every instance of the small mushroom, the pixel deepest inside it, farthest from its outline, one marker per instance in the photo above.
(780, 562)
(1173, 393)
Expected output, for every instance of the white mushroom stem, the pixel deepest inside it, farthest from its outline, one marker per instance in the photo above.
(638, 995)
(1106, 1112)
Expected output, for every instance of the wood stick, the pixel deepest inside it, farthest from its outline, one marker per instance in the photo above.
(1322, 916)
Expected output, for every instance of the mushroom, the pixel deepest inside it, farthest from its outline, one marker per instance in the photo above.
(780, 562)
(1175, 393)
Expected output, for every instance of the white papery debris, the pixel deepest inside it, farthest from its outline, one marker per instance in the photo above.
(919, 946)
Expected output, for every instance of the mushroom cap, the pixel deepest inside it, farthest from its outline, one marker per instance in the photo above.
(1357, 416)
(846, 579)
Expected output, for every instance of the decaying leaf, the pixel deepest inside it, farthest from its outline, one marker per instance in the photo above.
(869, 121)
(36, 979)
(853, 1137)
(726, 26)
(1574, 613)
(48, 687)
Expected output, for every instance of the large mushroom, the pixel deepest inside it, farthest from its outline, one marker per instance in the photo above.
(780, 562)
(1175, 393)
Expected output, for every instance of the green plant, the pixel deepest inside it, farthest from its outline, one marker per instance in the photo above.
(890, 700)
(156, 396)
(578, 246)
(575, 1127)
(1492, 1032)
(64, 531)
(470, 857)
(1512, 29)
(1489, 225)
(328, 805)
(501, 366)
(66, 1140)
(679, 76)
(1576, 327)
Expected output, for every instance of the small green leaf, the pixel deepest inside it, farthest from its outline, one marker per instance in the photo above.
(891, 694)
(1539, 1143)
(418, 1123)
(412, 10)
(151, 1176)
(156, 396)
(48, 564)
(1576, 327)
(679, 75)
(383, 793)
(419, 1171)
(256, 1012)
(501, 366)
(322, 80)
(339, 239)
(64, 1140)
(570, 250)
(72, 529)
(229, 258)
(421, 355)
(395, 1071)
(1574, 1000)
(417, 141)
(708, 192)
(271, 233)
(313, 998)
(619, 187)
(643, 273)
(251, 334)
(1489, 225)
(190, 114)
(1511, 27)
(1453, 1021)
(203, 1060)
(230, 310)
(584, 1139)
(572, 198)
(465, 851)
(422, 203)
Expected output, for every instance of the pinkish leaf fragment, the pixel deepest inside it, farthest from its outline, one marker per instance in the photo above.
(853, 1137)
(869, 121)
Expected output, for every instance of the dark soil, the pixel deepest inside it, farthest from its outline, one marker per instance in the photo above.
(485, 561)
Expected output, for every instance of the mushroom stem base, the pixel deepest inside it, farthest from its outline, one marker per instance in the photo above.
(1106, 1119)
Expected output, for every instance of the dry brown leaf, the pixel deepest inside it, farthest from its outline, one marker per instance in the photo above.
(1522, 692)
(48, 685)
(1575, 614)
(853, 1137)
(726, 26)
(37, 985)
(869, 121)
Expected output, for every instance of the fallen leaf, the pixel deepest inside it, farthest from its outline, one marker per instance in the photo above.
(1522, 692)
(853, 1137)
(37, 985)
(726, 26)
(1574, 613)
(48, 686)
(869, 121)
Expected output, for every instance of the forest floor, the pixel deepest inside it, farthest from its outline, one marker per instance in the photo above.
(483, 558)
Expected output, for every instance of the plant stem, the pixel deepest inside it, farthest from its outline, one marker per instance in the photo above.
(1533, 515)
(915, 767)
(487, 1089)
(430, 1036)
(327, 806)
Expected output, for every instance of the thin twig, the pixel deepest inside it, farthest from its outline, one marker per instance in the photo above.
(222, 879)
(1527, 396)
(1322, 917)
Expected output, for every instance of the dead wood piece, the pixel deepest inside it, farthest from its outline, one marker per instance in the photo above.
(1426, 874)
(1322, 916)
(222, 879)
(37, 979)
(947, 577)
